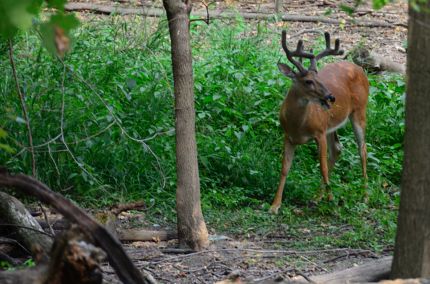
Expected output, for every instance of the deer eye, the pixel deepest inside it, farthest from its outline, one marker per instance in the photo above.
(309, 82)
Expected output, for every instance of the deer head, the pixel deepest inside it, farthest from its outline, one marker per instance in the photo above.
(306, 81)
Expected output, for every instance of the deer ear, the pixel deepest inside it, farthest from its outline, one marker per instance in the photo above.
(286, 70)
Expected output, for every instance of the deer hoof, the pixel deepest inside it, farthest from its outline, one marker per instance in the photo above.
(366, 198)
(274, 209)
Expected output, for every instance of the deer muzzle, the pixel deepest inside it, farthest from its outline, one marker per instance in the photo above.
(330, 98)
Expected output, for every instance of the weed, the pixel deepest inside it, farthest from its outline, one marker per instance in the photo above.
(118, 90)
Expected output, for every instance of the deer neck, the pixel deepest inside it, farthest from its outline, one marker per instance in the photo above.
(298, 107)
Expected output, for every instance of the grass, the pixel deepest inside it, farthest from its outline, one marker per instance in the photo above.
(117, 90)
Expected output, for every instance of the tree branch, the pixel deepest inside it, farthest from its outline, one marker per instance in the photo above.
(117, 257)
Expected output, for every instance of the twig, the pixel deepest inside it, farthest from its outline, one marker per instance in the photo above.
(305, 276)
(307, 31)
(295, 252)
(116, 120)
(27, 123)
(80, 165)
(312, 262)
(348, 254)
(207, 19)
(27, 228)
(272, 275)
(23, 109)
(4, 240)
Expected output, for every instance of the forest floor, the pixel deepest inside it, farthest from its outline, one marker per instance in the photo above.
(270, 254)
(251, 256)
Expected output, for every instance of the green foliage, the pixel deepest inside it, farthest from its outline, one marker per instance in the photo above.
(18, 15)
(376, 4)
(5, 265)
(118, 91)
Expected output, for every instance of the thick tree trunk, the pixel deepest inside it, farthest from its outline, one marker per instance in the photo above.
(192, 230)
(412, 250)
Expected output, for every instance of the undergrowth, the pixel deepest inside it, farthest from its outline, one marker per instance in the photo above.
(118, 129)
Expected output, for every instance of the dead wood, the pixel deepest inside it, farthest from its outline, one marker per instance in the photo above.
(153, 12)
(374, 62)
(117, 209)
(369, 272)
(57, 224)
(20, 222)
(72, 260)
(117, 257)
(146, 235)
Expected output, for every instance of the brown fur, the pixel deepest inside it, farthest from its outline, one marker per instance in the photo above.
(303, 117)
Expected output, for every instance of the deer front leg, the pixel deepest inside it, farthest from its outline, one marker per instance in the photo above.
(286, 164)
(322, 149)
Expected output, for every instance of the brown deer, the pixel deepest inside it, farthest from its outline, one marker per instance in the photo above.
(317, 104)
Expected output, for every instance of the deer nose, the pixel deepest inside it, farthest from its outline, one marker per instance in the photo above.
(330, 98)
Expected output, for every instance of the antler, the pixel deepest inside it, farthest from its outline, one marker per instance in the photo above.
(328, 51)
(299, 52)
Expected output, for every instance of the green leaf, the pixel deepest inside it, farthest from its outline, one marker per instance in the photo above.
(3, 133)
(347, 9)
(7, 148)
(17, 14)
(59, 4)
(378, 4)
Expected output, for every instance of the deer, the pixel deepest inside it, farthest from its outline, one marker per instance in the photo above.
(317, 104)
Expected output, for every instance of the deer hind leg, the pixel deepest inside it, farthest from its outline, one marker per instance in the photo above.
(322, 149)
(286, 165)
(334, 149)
(358, 120)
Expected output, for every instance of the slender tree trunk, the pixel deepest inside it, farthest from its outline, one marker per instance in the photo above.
(192, 230)
(278, 6)
(412, 250)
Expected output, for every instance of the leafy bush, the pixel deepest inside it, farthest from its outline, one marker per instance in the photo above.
(118, 123)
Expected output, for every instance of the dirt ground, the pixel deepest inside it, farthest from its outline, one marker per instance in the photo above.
(269, 257)
(252, 257)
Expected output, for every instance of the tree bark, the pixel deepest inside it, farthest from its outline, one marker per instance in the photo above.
(278, 6)
(412, 250)
(73, 260)
(373, 271)
(192, 230)
(117, 257)
(14, 213)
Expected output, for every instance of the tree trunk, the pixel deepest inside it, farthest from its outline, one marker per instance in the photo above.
(192, 230)
(278, 6)
(412, 250)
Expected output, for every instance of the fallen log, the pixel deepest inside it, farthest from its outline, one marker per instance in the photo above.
(370, 272)
(154, 12)
(73, 260)
(374, 62)
(16, 219)
(373, 271)
(118, 208)
(146, 235)
(117, 257)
